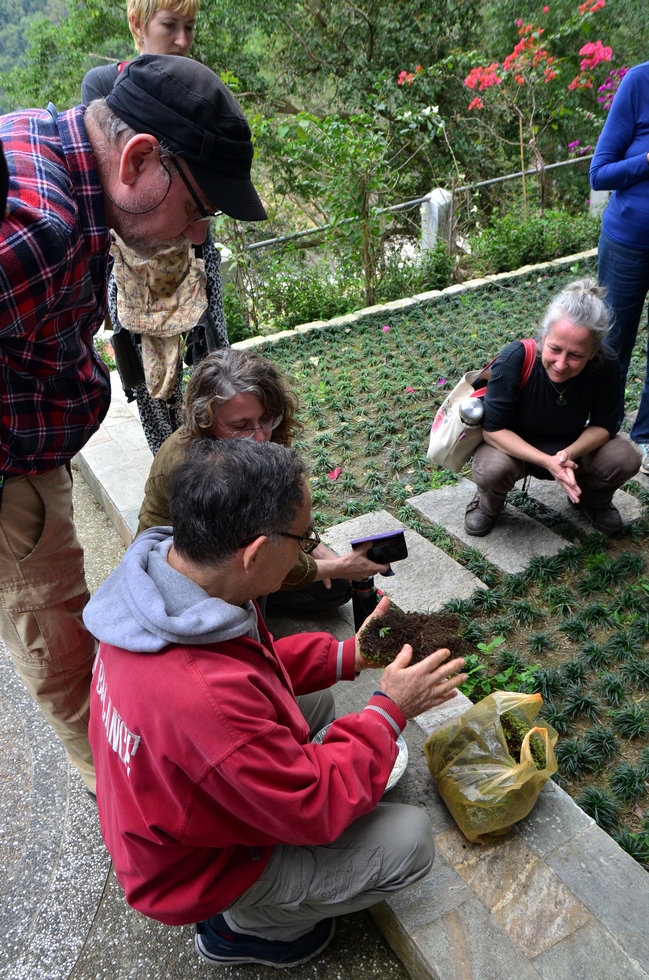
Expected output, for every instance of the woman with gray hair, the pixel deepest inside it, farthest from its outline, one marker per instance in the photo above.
(234, 394)
(562, 424)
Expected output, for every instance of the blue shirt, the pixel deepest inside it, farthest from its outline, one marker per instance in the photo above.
(620, 162)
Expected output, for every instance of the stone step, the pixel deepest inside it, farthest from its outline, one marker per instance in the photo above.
(115, 462)
(423, 581)
(550, 494)
(554, 899)
(514, 540)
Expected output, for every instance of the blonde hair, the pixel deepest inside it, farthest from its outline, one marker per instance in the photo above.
(144, 10)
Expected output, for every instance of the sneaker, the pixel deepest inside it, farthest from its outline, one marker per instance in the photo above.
(215, 942)
(607, 520)
(476, 522)
(644, 465)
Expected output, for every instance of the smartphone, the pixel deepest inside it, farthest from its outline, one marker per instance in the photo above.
(386, 548)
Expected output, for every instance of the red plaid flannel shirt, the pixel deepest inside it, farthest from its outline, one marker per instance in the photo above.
(54, 253)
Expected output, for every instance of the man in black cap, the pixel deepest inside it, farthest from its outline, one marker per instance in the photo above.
(154, 161)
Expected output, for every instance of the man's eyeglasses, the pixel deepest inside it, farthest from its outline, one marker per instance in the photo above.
(249, 432)
(204, 214)
(308, 542)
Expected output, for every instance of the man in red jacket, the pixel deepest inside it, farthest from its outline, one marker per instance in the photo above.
(215, 805)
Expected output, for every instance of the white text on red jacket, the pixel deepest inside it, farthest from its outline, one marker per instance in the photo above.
(123, 742)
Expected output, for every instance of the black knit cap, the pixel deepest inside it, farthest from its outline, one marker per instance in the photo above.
(189, 109)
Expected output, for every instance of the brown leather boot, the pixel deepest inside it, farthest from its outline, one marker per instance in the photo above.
(606, 520)
(476, 521)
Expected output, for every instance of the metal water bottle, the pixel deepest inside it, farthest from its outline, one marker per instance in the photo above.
(471, 411)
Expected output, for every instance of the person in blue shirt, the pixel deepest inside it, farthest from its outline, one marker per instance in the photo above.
(621, 164)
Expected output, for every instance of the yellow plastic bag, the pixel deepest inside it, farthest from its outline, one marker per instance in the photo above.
(486, 790)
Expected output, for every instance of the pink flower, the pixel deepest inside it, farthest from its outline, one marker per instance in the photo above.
(385, 328)
(476, 103)
(410, 390)
(442, 381)
(546, 10)
(482, 78)
(596, 53)
(335, 473)
(405, 78)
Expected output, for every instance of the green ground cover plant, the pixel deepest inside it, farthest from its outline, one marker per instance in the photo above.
(574, 627)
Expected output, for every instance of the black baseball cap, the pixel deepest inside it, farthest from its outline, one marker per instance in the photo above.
(189, 109)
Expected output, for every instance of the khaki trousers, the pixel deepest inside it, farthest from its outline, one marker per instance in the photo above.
(42, 595)
(379, 854)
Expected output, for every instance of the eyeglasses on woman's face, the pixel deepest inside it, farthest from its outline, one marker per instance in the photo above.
(248, 432)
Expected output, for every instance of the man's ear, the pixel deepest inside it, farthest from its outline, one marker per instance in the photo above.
(141, 151)
(252, 552)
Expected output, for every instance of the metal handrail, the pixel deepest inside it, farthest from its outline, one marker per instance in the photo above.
(418, 200)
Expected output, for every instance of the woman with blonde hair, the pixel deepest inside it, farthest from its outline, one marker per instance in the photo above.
(235, 394)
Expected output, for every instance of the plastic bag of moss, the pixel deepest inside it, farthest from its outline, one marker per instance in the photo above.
(491, 764)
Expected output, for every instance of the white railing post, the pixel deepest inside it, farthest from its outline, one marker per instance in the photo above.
(597, 203)
(436, 218)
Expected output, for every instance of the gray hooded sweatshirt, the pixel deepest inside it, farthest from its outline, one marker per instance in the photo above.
(145, 604)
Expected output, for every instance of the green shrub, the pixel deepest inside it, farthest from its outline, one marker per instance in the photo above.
(236, 314)
(513, 241)
(293, 294)
(436, 268)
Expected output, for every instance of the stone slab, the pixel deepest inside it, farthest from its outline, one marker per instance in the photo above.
(522, 893)
(514, 540)
(116, 461)
(590, 953)
(423, 581)
(465, 944)
(610, 884)
(553, 821)
(443, 714)
(550, 494)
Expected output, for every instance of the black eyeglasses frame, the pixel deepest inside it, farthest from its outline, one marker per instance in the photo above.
(204, 214)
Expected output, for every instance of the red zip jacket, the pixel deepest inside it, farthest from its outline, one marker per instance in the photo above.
(204, 763)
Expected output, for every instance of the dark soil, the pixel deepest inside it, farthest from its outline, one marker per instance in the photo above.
(424, 633)
(515, 731)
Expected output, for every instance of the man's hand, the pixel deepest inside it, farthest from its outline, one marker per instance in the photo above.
(360, 663)
(430, 682)
(563, 469)
(352, 566)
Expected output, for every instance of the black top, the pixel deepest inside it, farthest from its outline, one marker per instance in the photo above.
(592, 397)
(98, 83)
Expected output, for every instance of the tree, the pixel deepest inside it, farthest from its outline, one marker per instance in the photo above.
(60, 54)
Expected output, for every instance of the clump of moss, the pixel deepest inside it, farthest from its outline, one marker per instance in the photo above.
(515, 731)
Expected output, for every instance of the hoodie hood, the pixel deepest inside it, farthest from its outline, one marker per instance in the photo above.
(145, 604)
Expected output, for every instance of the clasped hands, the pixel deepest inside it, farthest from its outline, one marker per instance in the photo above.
(563, 469)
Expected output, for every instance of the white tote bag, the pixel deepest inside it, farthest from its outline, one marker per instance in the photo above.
(452, 440)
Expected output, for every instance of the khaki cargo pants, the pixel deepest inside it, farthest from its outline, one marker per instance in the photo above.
(42, 595)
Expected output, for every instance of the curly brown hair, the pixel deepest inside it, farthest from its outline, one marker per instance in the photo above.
(223, 374)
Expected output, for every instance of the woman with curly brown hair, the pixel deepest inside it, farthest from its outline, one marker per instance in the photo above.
(235, 394)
